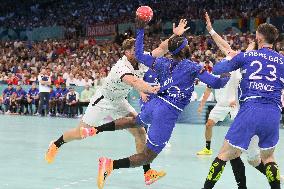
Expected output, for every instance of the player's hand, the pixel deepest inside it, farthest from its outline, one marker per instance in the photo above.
(153, 89)
(181, 28)
(199, 110)
(144, 97)
(251, 46)
(233, 104)
(140, 23)
(208, 22)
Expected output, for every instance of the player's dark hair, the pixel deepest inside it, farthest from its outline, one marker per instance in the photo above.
(175, 43)
(128, 44)
(269, 31)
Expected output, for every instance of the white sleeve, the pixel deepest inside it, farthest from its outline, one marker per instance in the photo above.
(122, 71)
(39, 78)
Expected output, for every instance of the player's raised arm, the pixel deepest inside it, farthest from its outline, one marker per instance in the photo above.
(212, 81)
(221, 43)
(163, 47)
(145, 59)
(226, 65)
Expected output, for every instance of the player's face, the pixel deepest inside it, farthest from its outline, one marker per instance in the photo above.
(130, 54)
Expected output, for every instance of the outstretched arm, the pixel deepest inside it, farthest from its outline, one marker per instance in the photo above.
(212, 81)
(226, 66)
(163, 47)
(145, 59)
(221, 43)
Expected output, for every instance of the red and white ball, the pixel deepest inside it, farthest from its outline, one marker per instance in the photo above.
(144, 13)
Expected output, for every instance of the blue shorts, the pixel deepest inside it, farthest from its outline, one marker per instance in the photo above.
(255, 119)
(161, 119)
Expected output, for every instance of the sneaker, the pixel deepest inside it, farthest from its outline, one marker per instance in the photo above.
(8, 112)
(79, 116)
(152, 176)
(87, 132)
(105, 169)
(36, 114)
(205, 151)
(51, 152)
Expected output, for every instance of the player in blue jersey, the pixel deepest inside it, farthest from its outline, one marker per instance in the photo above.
(259, 114)
(151, 78)
(33, 98)
(176, 76)
(7, 93)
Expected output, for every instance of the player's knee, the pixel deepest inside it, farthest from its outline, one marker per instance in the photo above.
(210, 123)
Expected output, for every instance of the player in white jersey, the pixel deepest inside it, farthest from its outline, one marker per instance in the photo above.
(226, 105)
(109, 103)
(253, 152)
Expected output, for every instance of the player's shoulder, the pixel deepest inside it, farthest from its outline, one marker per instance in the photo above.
(194, 66)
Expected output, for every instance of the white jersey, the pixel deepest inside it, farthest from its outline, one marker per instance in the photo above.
(114, 88)
(228, 94)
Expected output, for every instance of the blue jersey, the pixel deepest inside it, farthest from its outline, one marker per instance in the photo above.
(33, 92)
(21, 93)
(57, 92)
(151, 77)
(52, 94)
(8, 93)
(176, 77)
(63, 92)
(262, 74)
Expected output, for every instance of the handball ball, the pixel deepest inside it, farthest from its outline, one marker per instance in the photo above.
(144, 13)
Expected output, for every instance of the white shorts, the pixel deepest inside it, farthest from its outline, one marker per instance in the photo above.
(101, 110)
(219, 113)
(253, 152)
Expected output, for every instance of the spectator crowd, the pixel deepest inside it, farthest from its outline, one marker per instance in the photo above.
(75, 14)
(85, 62)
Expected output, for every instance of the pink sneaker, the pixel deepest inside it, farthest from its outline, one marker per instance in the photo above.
(105, 169)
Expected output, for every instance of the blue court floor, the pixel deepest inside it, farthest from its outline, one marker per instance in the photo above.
(24, 141)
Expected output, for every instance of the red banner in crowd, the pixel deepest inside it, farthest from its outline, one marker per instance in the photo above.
(101, 30)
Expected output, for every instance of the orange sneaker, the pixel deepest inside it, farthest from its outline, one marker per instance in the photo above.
(152, 176)
(87, 132)
(105, 169)
(51, 152)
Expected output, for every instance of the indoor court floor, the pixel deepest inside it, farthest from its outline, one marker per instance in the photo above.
(24, 141)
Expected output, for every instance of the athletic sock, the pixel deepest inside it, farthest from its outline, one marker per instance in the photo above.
(208, 144)
(106, 127)
(239, 172)
(121, 163)
(261, 168)
(146, 168)
(215, 173)
(273, 175)
(59, 142)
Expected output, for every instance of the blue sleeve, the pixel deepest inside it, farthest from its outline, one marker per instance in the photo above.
(226, 66)
(212, 81)
(145, 59)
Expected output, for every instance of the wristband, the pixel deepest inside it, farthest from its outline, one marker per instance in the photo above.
(212, 32)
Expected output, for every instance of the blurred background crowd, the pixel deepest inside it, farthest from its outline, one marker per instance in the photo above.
(80, 61)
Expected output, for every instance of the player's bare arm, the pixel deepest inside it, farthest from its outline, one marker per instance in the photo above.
(206, 95)
(221, 43)
(140, 85)
(163, 47)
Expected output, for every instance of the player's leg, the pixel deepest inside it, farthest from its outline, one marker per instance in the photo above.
(238, 137)
(159, 134)
(271, 168)
(94, 115)
(208, 136)
(268, 133)
(218, 113)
